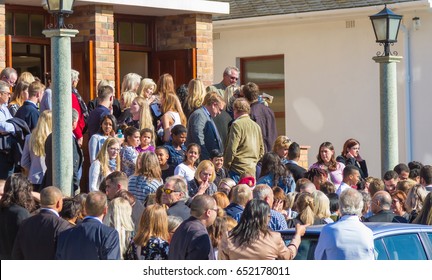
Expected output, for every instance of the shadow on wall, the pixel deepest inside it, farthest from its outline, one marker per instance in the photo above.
(309, 114)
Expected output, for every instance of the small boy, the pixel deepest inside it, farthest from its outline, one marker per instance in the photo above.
(163, 156)
(221, 172)
(176, 148)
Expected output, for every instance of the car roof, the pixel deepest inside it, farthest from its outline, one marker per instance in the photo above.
(377, 228)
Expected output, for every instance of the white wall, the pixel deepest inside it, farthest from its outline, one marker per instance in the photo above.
(332, 83)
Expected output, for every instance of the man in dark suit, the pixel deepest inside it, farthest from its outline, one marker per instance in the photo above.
(381, 208)
(201, 127)
(292, 165)
(77, 156)
(37, 235)
(29, 111)
(91, 239)
(191, 240)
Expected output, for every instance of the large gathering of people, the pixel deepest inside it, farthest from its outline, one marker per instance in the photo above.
(192, 173)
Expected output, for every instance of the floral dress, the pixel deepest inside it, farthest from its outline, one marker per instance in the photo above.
(155, 249)
(128, 158)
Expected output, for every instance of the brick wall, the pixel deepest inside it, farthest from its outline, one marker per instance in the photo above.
(185, 32)
(303, 161)
(2, 36)
(97, 23)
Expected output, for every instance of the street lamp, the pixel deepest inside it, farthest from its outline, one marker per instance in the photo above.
(386, 28)
(59, 8)
(61, 88)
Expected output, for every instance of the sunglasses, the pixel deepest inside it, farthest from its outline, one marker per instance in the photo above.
(168, 191)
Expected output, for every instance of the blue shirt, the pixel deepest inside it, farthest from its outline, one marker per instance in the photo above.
(288, 186)
(277, 220)
(4, 116)
(141, 186)
(175, 156)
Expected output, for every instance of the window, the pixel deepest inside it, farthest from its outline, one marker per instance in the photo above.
(403, 247)
(20, 23)
(268, 73)
(131, 33)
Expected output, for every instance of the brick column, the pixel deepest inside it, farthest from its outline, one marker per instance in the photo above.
(97, 23)
(2, 36)
(185, 32)
(303, 161)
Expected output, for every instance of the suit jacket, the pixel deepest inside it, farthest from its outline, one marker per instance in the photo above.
(386, 216)
(265, 118)
(37, 236)
(296, 170)
(346, 239)
(191, 242)
(90, 240)
(202, 131)
(10, 221)
(28, 112)
(78, 159)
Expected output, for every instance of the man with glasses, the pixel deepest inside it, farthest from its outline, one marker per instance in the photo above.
(9, 75)
(6, 128)
(175, 196)
(201, 127)
(191, 240)
(230, 77)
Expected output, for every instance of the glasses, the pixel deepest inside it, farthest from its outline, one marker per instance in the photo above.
(7, 92)
(233, 78)
(168, 191)
(115, 149)
(216, 210)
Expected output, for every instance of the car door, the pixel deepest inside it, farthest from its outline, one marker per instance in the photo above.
(408, 246)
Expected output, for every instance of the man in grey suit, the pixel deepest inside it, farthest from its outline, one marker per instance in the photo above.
(201, 127)
(90, 240)
(37, 235)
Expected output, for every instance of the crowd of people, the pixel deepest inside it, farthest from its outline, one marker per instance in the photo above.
(192, 173)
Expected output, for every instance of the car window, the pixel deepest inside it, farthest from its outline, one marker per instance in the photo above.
(380, 251)
(430, 237)
(402, 247)
(307, 247)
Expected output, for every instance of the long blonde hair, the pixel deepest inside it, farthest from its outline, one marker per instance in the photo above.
(120, 212)
(103, 157)
(153, 223)
(196, 94)
(40, 133)
(145, 118)
(172, 103)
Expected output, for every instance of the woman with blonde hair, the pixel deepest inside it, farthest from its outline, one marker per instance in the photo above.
(33, 154)
(172, 116)
(195, 97)
(126, 99)
(19, 95)
(414, 201)
(147, 178)
(322, 207)
(131, 81)
(26, 77)
(120, 217)
(147, 89)
(141, 115)
(203, 180)
(106, 162)
(305, 207)
(152, 237)
(280, 147)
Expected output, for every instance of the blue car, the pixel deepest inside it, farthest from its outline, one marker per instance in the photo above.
(393, 241)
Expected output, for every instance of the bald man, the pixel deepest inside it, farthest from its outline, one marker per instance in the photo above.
(37, 235)
(381, 209)
(191, 240)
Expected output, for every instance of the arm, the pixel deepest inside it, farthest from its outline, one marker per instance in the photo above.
(94, 173)
(25, 157)
(92, 147)
(232, 144)
(165, 121)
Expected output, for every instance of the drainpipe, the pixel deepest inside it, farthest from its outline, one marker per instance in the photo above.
(408, 89)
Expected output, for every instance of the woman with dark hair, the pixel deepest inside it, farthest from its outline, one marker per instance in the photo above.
(16, 204)
(108, 128)
(274, 173)
(350, 156)
(252, 239)
(326, 160)
(398, 204)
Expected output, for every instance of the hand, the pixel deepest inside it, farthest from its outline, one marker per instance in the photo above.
(349, 155)
(203, 187)
(278, 205)
(80, 141)
(359, 158)
(301, 229)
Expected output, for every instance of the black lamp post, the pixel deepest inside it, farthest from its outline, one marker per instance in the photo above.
(60, 8)
(386, 27)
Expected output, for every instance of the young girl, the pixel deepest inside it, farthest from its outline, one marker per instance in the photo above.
(187, 167)
(163, 156)
(280, 147)
(146, 141)
(128, 153)
(108, 128)
(107, 161)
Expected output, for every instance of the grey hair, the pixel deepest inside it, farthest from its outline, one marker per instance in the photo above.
(262, 191)
(4, 86)
(351, 202)
(229, 69)
(75, 115)
(180, 185)
(74, 75)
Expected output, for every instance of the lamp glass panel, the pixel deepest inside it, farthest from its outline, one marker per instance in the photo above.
(54, 5)
(67, 5)
(380, 26)
(393, 29)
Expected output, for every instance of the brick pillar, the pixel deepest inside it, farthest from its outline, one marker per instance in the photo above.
(97, 23)
(303, 161)
(2, 37)
(185, 32)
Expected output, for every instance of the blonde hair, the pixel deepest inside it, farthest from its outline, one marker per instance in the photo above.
(172, 103)
(130, 82)
(103, 158)
(305, 208)
(165, 85)
(121, 220)
(145, 84)
(204, 165)
(153, 223)
(40, 133)
(17, 97)
(26, 77)
(128, 97)
(149, 166)
(321, 205)
(281, 141)
(196, 94)
(145, 119)
(415, 198)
